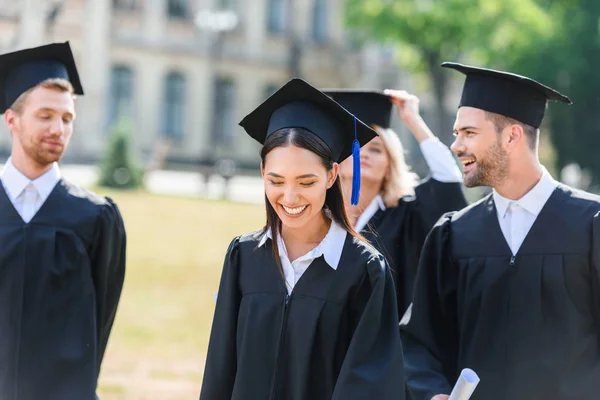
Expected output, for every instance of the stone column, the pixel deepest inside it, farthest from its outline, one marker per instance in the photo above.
(31, 24)
(253, 17)
(94, 70)
(155, 19)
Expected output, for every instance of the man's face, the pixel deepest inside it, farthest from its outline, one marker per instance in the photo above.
(44, 125)
(478, 146)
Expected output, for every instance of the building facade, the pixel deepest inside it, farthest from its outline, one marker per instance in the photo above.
(184, 72)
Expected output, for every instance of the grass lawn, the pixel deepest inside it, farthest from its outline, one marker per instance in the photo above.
(175, 253)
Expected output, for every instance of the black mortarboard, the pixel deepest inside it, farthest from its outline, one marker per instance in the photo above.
(507, 94)
(21, 70)
(299, 105)
(371, 107)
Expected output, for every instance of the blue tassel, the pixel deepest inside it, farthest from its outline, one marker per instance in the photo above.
(356, 169)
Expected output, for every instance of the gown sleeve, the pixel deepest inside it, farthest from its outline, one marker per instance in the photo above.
(411, 239)
(221, 361)
(439, 159)
(373, 365)
(108, 271)
(429, 329)
(443, 191)
(435, 198)
(595, 273)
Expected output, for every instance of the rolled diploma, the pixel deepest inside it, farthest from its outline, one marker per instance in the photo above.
(465, 385)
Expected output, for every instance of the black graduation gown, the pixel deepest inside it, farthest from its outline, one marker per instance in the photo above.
(335, 337)
(399, 232)
(61, 276)
(528, 324)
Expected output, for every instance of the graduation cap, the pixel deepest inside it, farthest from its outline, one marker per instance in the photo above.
(299, 105)
(24, 69)
(507, 94)
(370, 106)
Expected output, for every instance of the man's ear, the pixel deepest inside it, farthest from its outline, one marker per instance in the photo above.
(515, 135)
(10, 119)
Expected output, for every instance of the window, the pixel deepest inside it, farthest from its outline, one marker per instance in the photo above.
(173, 121)
(276, 17)
(229, 5)
(223, 122)
(178, 8)
(319, 27)
(125, 5)
(121, 94)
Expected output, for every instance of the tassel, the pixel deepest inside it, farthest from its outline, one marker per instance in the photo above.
(356, 168)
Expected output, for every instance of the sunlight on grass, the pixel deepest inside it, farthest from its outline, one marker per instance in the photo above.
(175, 253)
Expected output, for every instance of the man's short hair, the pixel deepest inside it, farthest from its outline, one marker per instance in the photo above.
(58, 84)
(500, 122)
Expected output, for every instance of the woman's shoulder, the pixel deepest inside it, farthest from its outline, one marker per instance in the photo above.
(245, 241)
(252, 237)
(404, 204)
(364, 254)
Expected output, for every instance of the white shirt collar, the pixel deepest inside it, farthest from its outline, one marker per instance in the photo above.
(533, 201)
(14, 181)
(330, 247)
(379, 200)
(375, 205)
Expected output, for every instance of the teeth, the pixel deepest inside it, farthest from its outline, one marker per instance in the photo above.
(469, 162)
(294, 211)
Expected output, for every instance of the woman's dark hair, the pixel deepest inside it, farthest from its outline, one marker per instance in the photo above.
(334, 200)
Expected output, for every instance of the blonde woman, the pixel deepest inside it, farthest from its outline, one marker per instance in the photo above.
(395, 212)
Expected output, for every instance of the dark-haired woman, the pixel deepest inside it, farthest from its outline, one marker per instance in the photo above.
(306, 309)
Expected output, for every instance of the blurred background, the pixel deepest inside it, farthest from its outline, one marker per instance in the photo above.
(166, 82)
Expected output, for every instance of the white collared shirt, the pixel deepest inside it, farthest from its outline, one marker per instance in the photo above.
(440, 161)
(25, 194)
(375, 205)
(330, 248)
(516, 217)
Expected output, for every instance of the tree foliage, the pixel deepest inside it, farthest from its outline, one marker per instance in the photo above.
(556, 42)
(432, 31)
(118, 169)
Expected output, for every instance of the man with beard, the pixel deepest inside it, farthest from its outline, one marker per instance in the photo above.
(62, 252)
(508, 286)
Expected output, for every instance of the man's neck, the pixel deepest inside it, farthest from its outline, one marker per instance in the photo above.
(522, 178)
(28, 167)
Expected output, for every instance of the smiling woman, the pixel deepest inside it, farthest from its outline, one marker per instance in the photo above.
(306, 309)
(301, 180)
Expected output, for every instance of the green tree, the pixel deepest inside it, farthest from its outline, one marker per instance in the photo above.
(118, 170)
(432, 31)
(568, 60)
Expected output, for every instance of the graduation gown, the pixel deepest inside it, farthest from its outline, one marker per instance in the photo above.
(335, 337)
(399, 232)
(61, 276)
(527, 324)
